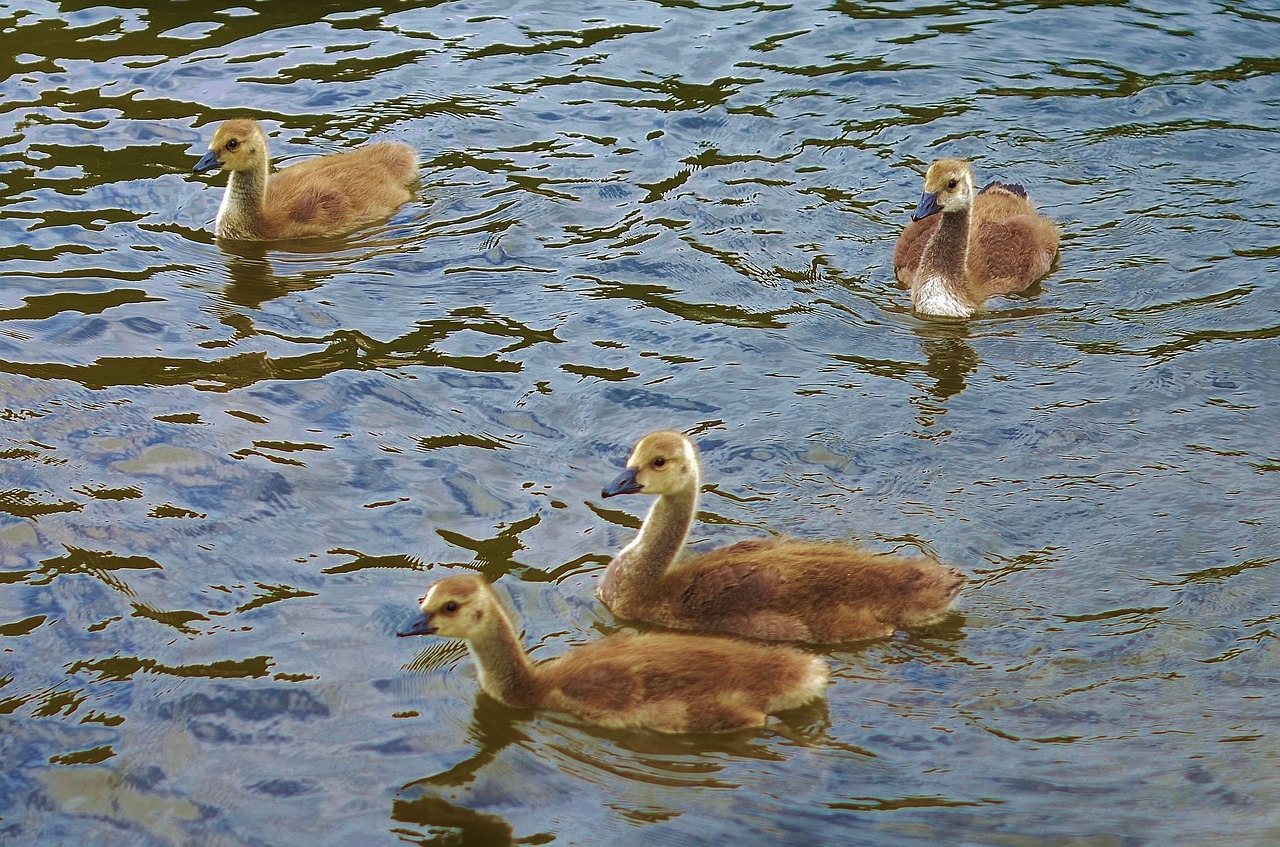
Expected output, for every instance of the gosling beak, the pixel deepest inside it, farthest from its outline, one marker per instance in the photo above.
(208, 162)
(626, 483)
(421, 626)
(928, 206)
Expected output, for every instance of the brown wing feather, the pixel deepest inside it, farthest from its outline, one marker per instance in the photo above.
(339, 191)
(784, 589)
(1010, 255)
(606, 685)
(731, 588)
(680, 682)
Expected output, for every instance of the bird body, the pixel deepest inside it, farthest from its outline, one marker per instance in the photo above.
(661, 681)
(775, 589)
(964, 246)
(322, 196)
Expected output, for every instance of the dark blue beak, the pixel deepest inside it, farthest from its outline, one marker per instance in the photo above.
(928, 206)
(625, 484)
(421, 626)
(208, 162)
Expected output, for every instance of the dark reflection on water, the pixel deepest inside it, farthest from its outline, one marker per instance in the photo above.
(229, 470)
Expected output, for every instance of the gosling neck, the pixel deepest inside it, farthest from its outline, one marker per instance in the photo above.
(941, 281)
(635, 573)
(241, 212)
(505, 670)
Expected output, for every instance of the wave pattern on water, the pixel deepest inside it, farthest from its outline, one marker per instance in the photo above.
(229, 470)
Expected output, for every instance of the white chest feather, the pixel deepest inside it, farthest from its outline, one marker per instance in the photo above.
(222, 209)
(933, 296)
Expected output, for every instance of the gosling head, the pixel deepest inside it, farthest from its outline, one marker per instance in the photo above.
(238, 145)
(663, 462)
(948, 187)
(455, 607)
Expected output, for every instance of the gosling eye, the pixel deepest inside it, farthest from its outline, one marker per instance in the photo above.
(951, 183)
(451, 606)
(233, 144)
(659, 462)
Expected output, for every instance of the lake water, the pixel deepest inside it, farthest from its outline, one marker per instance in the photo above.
(229, 471)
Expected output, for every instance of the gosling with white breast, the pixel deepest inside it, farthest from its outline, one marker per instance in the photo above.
(964, 246)
(772, 589)
(665, 682)
(323, 196)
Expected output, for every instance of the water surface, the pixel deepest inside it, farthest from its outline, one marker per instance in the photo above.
(228, 471)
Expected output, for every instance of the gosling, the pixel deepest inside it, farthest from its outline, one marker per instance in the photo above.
(324, 196)
(772, 589)
(982, 244)
(664, 682)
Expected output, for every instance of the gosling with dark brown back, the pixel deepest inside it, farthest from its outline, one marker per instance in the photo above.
(776, 589)
(964, 246)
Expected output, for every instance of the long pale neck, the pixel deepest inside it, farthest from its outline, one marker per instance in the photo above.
(637, 569)
(243, 201)
(505, 670)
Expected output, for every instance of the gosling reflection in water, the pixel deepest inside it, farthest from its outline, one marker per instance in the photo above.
(949, 359)
(470, 827)
(253, 280)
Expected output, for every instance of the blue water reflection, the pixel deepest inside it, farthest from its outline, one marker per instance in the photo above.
(229, 470)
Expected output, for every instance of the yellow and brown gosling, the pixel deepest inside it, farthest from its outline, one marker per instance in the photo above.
(661, 681)
(964, 246)
(775, 589)
(324, 196)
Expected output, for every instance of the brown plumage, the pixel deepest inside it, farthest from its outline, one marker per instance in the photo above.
(981, 244)
(667, 682)
(774, 589)
(325, 196)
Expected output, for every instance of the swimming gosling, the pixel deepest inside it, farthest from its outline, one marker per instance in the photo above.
(324, 196)
(666, 682)
(982, 244)
(772, 589)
